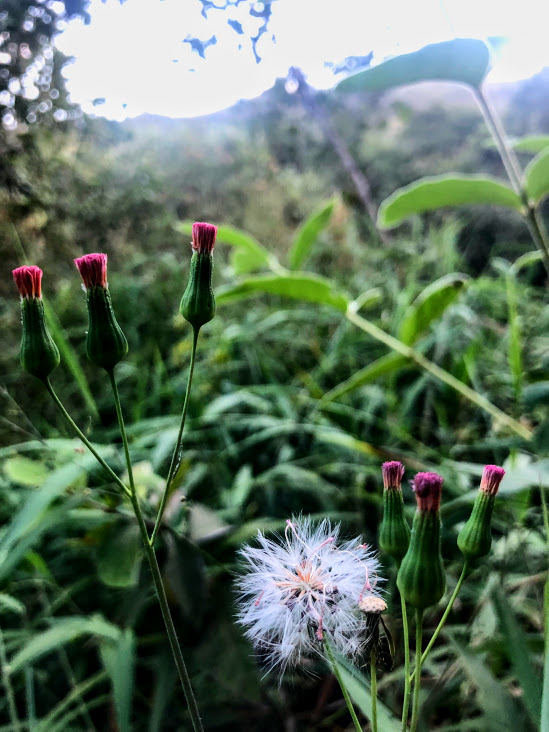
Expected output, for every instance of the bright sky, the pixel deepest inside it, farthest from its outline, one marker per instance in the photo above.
(133, 55)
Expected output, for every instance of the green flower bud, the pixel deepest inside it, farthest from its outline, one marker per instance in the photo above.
(198, 301)
(475, 538)
(106, 344)
(39, 354)
(394, 532)
(421, 578)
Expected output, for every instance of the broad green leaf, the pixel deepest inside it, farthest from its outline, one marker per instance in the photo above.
(494, 700)
(119, 555)
(536, 177)
(308, 234)
(25, 471)
(358, 687)
(312, 288)
(429, 305)
(118, 657)
(516, 647)
(369, 373)
(248, 256)
(62, 631)
(464, 60)
(438, 191)
(531, 143)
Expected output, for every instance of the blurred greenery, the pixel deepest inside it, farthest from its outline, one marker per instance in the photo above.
(293, 407)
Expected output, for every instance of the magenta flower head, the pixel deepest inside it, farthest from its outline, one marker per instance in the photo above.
(93, 270)
(106, 344)
(475, 538)
(428, 489)
(39, 354)
(421, 579)
(394, 532)
(198, 301)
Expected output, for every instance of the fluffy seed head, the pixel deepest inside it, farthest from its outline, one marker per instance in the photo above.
(28, 281)
(203, 237)
(93, 270)
(428, 488)
(305, 586)
(392, 475)
(491, 478)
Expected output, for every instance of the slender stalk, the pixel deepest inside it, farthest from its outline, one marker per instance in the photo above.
(545, 512)
(8, 688)
(514, 172)
(83, 437)
(373, 687)
(157, 576)
(407, 682)
(417, 684)
(440, 374)
(177, 450)
(343, 687)
(444, 616)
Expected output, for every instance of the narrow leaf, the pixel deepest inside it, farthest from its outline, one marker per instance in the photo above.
(366, 375)
(308, 233)
(464, 60)
(438, 191)
(531, 143)
(312, 288)
(119, 660)
(545, 693)
(429, 305)
(536, 177)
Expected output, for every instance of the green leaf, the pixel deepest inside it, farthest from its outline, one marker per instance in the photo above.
(531, 143)
(312, 288)
(358, 687)
(367, 299)
(516, 647)
(25, 471)
(119, 555)
(118, 657)
(429, 305)
(9, 603)
(464, 60)
(366, 375)
(438, 191)
(248, 256)
(545, 693)
(496, 703)
(525, 260)
(308, 234)
(536, 177)
(62, 631)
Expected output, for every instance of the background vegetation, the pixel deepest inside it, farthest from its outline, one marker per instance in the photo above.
(277, 423)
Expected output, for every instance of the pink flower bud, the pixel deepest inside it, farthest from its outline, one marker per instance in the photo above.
(392, 474)
(491, 478)
(203, 237)
(28, 281)
(428, 488)
(93, 270)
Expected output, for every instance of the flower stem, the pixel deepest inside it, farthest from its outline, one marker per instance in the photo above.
(83, 437)
(444, 616)
(417, 684)
(8, 688)
(373, 688)
(514, 173)
(157, 577)
(176, 452)
(407, 681)
(343, 687)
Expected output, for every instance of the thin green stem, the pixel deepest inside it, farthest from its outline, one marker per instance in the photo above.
(157, 576)
(373, 687)
(545, 513)
(83, 437)
(445, 615)
(440, 374)
(514, 172)
(177, 450)
(407, 683)
(6, 682)
(417, 684)
(343, 687)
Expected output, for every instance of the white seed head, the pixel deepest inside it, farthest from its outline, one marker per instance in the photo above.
(303, 587)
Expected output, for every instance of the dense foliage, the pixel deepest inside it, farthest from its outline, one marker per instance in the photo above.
(279, 422)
